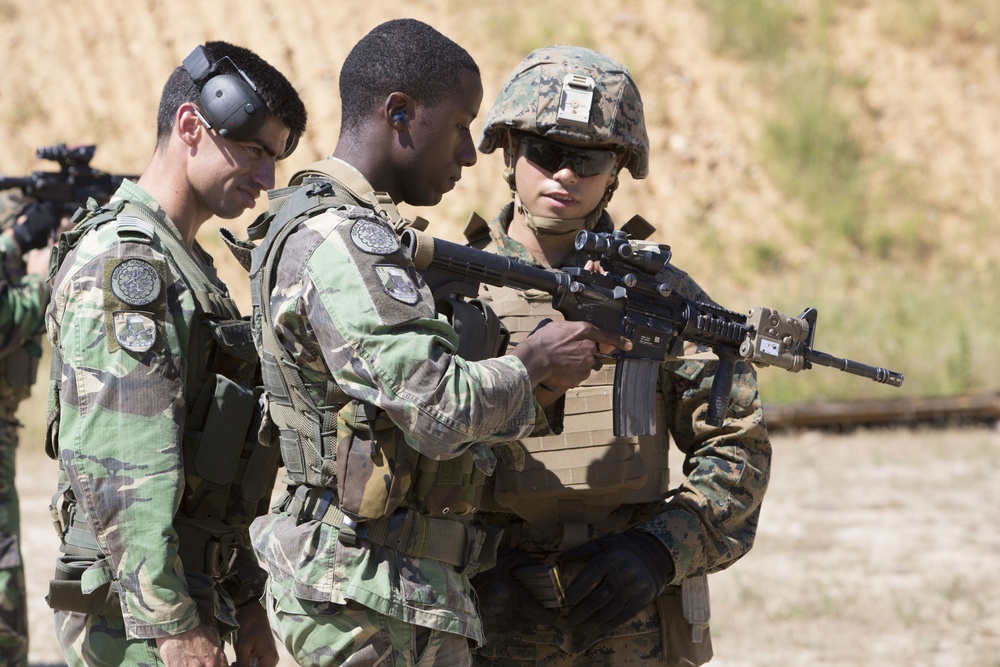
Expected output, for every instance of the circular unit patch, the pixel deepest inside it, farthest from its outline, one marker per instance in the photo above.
(374, 238)
(135, 282)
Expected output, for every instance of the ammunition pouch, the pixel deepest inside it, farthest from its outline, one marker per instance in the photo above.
(375, 466)
(223, 460)
(468, 548)
(452, 487)
(685, 634)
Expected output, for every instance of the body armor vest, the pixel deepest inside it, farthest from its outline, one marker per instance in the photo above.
(581, 475)
(229, 474)
(341, 452)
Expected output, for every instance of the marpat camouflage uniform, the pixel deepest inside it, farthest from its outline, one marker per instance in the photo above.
(23, 298)
(707, 522)
(361, 330)
(158, 486)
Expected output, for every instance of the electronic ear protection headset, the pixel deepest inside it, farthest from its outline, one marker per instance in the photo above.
(229, 103)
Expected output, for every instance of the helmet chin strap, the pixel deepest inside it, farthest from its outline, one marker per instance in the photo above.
(556, 226)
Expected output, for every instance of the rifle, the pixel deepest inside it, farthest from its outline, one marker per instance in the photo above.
(74, 183)
(632, 300)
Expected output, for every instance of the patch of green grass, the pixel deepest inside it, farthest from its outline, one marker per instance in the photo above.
(554, 22)
(933, 324)
(751, 29)
(809, 150)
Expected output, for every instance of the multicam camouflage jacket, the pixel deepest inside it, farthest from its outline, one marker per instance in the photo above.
(349, 309)
(139, 326)
(709, 520)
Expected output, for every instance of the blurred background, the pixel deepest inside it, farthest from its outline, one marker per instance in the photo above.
(834, 154)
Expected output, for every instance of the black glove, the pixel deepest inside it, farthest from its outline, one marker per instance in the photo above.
(40, 220)
(623, 575)
(504, 604)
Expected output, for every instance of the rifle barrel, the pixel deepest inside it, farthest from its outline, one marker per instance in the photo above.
(875, 373)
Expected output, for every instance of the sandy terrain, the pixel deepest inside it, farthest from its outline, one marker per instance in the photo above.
(880, 548)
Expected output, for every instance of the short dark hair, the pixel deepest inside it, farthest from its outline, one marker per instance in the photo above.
(402, 55)
(274, 89)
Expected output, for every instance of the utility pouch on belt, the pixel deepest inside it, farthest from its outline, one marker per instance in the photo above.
(543, 582)
(684, 615)
(83, 585)
(375, 466)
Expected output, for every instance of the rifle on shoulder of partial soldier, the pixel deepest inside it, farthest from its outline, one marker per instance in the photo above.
(74, 183)
(630, 299)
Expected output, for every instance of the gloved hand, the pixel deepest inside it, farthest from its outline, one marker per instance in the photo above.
(504, 604)
(623, 575)
(40, 220)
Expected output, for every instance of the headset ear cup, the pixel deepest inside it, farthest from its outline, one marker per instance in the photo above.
(232, 107)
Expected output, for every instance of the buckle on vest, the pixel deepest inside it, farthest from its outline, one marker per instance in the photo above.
(322, 187)
(219, 560)
(475, 539)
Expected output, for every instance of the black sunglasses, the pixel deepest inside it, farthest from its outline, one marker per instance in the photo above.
(552, 156)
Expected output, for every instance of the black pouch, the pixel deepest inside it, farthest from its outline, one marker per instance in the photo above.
(66, 590)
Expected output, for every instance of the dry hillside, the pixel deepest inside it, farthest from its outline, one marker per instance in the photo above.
(843, 574)
(916, 80)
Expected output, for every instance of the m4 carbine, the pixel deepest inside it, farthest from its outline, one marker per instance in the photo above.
(74, 183)
(630, 298)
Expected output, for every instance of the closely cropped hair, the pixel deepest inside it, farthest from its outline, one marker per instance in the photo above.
(403, 55)
(274, 89)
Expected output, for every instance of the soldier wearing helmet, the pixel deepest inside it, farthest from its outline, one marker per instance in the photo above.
(602, 558)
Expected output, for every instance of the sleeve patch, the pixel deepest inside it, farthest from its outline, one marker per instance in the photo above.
(374, 238)
(134, 299)
(397, 283)
(134, 330)
(135, 282)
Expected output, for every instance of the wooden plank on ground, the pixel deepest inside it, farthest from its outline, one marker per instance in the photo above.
(977, 407)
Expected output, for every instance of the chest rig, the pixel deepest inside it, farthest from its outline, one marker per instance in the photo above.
(347, 464)
(228, 474)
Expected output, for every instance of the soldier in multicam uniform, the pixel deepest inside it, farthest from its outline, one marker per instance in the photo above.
(24, 293)
(384, 428)
(155, 388)
(602, 562)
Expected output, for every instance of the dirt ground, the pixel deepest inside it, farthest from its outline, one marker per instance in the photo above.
(878, 548)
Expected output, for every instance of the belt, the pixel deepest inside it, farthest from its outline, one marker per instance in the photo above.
(409, 532)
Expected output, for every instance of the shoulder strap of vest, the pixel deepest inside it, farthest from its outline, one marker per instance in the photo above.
(358, 187)
(136, 223)
(94, 217)
(291, 404)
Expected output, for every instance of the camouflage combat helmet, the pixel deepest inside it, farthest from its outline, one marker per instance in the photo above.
(569, 92)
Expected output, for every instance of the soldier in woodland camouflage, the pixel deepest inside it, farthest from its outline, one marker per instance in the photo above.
(27, 226)
(383, 416)
(602, 561)
(155, 388)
